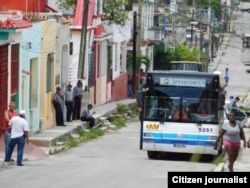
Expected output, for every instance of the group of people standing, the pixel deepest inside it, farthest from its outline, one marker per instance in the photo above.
(15, 131)
(72, 99)
(73, 102)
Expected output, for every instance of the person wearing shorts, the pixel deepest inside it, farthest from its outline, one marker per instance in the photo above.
(232, 132)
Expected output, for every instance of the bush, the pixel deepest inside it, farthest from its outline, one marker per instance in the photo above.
(134, 109)
(91, 134)
(119, 122)
(122, 108)
(111, 118)
(71, 142)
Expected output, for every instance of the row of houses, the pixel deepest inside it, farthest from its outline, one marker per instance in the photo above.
(40, 50)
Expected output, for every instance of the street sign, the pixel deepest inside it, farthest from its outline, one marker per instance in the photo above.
(173, 8)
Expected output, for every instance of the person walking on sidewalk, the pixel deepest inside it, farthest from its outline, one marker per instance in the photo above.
(87, 116)
(226, 69)
(78, 94)
(69, 103)
(58, 102)
(6, 129)
(19, 133)
(232, 133)
(233, 105)
(226, 79)
(234, 102)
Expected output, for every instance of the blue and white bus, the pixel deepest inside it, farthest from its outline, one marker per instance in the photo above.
(182, 112)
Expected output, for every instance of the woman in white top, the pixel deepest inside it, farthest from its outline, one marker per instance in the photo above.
(232, 133)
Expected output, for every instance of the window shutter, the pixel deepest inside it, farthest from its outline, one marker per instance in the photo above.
(49, 72)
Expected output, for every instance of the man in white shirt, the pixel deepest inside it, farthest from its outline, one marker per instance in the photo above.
(19, 133)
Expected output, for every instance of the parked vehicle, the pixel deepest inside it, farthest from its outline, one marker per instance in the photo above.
(246, 40)
(240, 114)
(188, 66)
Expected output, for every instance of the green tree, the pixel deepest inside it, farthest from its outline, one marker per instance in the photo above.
(215, 5)
(114, 12)
(181, 52)
(67, 4)
(141, 59)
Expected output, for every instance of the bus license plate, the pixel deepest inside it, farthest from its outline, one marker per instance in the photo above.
(179, 145)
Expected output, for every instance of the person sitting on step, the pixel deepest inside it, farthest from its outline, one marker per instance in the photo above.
(88, 117)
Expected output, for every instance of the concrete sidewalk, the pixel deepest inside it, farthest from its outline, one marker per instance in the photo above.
(48, 137)
(41, 143)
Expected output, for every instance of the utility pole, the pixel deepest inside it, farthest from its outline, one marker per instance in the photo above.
(200, 38)
(134, 52)
(165, 29)
(138, 50)
(212, 46)
(192, 27)
(173, 29)
(81, 62)
(224, 19)
(173, 11)
(210, 30)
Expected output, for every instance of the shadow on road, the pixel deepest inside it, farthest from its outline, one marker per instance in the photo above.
(186, 157)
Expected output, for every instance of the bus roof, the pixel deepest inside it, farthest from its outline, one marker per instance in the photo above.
(178, 72)
(183, 79)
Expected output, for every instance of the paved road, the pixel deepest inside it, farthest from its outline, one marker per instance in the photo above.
(234, 53)
(115, 160)
(111, 161)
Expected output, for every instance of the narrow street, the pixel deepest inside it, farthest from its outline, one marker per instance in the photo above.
(115, 160)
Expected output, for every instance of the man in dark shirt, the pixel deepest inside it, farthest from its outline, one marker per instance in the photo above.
(69, 102)
(78, 94)
(58, 101)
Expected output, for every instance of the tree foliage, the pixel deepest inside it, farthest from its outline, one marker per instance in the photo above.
(215, 5)
(141, 59)
(181, 52)
(114, 12)
(67, 4)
